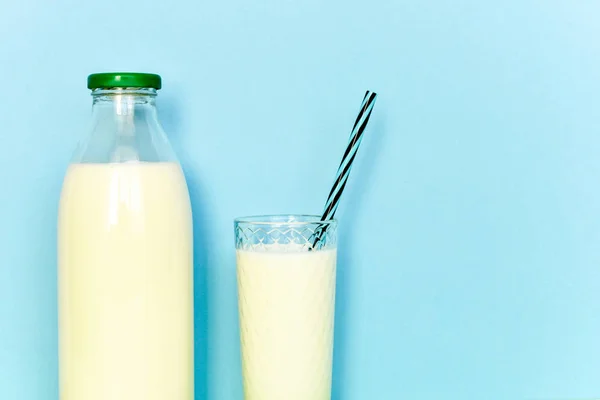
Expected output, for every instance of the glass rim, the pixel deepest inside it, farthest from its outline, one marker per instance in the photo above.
(284, 219)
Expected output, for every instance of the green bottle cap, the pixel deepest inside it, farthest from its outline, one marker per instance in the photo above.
(107, 80)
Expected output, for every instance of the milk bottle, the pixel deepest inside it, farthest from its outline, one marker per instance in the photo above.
(125, 254)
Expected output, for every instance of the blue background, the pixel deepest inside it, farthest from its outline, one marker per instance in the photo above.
(470, 257)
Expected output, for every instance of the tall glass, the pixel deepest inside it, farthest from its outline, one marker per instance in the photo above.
(286, 298)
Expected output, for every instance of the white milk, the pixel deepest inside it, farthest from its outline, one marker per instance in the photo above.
(286, 305)
(125, 278)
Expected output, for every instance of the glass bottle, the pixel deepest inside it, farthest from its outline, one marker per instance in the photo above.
(125, 254)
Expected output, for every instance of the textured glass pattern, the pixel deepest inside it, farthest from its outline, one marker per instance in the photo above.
(302, 233)
(286, 294)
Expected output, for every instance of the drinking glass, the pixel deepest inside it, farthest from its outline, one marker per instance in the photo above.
(286, 267)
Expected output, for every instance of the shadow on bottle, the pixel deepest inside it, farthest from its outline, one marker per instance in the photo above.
(201, 288)
(170, 117)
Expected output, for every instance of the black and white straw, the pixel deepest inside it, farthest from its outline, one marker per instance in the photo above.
(343, 171)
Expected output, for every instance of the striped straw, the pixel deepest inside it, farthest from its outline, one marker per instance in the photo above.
(343, 171)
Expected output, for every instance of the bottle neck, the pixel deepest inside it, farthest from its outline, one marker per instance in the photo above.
(124, 128)
(124, 102)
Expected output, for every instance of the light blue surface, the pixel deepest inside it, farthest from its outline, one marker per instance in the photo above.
(470, 232)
